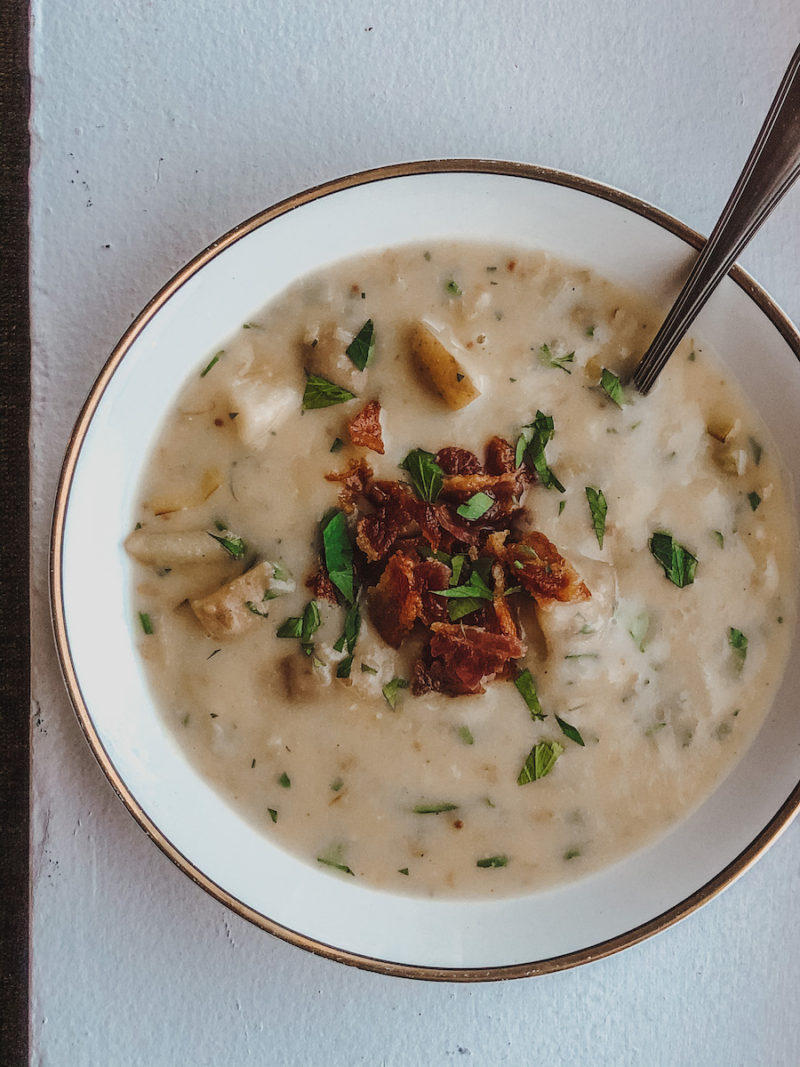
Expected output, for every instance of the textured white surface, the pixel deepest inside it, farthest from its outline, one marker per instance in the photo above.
(159, 126)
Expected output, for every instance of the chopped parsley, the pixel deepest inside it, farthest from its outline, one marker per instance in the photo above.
(465, 734)
(338, 552)
(427, 476)
(476, 506)
(321, 393)
(756, 449)
(146, 622)
(598, 508)
(754, 499)
(493, 861)
(640, 624)
(284, 780)
(391, 690)
(678, 562)
(527, 688)
(718, 537)
(570, 731)
(337, 445)
(541, 760)
(214, 360)
(549, 360)
(302, 626)
(251, 606)
(362, 348)
(433, 809)
(334, 857)
(402, 870)
(453, 288)
(366, 669)
(738, 643)
(531, 445)
(273, 814)
(234, 546)
(612, 386)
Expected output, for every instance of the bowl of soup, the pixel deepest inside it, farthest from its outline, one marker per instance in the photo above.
(393, 613)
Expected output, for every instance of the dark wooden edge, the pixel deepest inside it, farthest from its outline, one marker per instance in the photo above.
(15, 391)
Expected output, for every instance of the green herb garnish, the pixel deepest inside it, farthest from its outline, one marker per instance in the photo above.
(678, 562)
(718, 537)
(344, 666)
(273, 814)
(427, 476)
(476, 506)
(453, 288)
(146, 621)
(213, 362)
(549, 360)
(527, 687)
(598, 508)
(402, 870)
(571, 732)
(493, 861)
(640, 624)
(320, 393)
(251, 606)
(754, 499)
(366, 669)
(612, 386)
(362, 348)
(738, 643)
(756, 449)
(337, 445)
(284, 780)
(541, 760)
(433, 809)
(234, 546)
(391, 689)
(302, 626)
(465, 734)
(334, 858)
(338, 552)
(531, 445)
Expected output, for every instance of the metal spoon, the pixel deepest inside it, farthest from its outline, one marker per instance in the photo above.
(771, 168)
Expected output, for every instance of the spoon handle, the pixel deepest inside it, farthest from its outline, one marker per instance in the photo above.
(771, 167)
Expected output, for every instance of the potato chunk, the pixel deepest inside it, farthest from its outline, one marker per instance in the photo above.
(170, 548)
(225, 612)
(439, 369)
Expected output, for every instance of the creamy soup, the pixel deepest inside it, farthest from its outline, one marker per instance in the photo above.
(438, 601)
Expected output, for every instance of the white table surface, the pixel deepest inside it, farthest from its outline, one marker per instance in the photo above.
(158, 126)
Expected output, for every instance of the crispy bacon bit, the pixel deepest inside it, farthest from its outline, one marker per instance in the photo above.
(500, 603)
(458, 461)
(463, 659)
(500, 456)
(395, 603)
(431, 575)
(321, 586)
(365, 428)
(544, 573)
(354, 482)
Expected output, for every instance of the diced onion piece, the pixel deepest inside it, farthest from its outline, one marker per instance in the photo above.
(439, 369)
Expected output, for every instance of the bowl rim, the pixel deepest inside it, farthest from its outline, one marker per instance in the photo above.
(773, 829)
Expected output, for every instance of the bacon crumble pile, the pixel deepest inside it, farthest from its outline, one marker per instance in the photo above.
(407, 549)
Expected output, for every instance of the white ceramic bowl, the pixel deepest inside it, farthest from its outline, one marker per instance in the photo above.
(622, 239)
